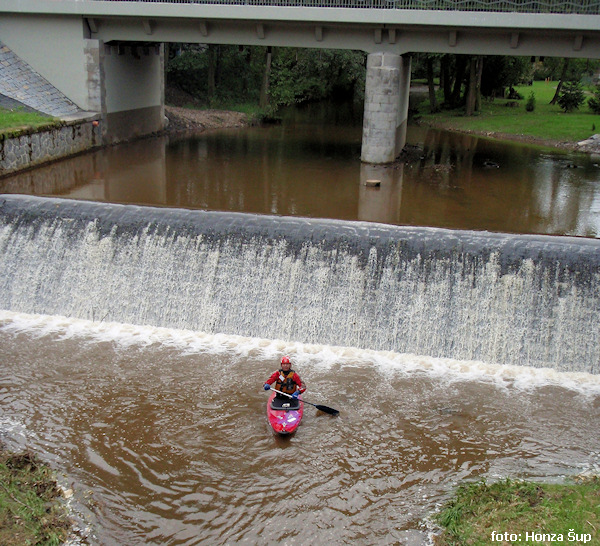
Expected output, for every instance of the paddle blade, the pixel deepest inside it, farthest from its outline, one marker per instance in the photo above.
(325, 409)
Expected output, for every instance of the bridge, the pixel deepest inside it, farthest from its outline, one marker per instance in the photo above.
(107, 56)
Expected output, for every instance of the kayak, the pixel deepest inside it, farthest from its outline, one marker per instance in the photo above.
(284, 415)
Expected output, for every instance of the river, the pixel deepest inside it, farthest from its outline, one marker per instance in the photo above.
(310, 166)
(136, 339)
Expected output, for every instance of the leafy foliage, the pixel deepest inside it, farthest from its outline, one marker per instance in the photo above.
(296, 75)
(236, 71)
(594, 102)
(530, 104)
(301, 75)
(571, 96)
(550, 68)
(502, 72)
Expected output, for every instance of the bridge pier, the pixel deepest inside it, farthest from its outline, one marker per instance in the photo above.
(386, 107)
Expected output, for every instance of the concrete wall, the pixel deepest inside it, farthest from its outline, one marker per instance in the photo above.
(53, 47)
(134, 90)
(124, 84)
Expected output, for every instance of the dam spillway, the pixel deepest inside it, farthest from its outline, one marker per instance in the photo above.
(499, 298)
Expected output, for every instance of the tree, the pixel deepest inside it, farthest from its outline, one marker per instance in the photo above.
(461, 62)
(500, 72)
(571, 96)
(433, 104)
(563, 75)
(264, 88)
(594, 102)
(302, 75)
(446, 76)
(473, 102)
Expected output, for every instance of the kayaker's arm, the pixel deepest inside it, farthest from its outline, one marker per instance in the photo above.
(271, 380)
(300, 384)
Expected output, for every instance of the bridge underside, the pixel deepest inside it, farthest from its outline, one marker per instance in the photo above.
(110, 59)
(371, 38)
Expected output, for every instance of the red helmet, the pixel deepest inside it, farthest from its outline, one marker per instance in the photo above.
(285, 360)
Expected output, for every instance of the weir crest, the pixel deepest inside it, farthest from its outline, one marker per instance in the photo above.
(500, 298)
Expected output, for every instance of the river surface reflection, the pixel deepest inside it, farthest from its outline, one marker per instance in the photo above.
(310, 166)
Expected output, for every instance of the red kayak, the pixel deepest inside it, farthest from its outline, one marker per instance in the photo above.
(284, 414)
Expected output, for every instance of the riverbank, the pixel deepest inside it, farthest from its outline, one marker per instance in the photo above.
(185, 119)
(31, 510)
(545, 125)
(186, 114)
(511, 512)
(590, 145)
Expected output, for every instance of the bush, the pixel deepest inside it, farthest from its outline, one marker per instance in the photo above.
(530, 104)
(571, 97)
(594, 102)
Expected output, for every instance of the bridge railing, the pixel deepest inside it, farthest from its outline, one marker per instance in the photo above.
(581, 7)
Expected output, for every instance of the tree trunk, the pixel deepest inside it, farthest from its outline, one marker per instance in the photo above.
(461, 67)
(473, 103)
(264, 89)
(563, 75)
(446, 83)
(470, 102)
(479, 74)
(212, 72)
(433, 105)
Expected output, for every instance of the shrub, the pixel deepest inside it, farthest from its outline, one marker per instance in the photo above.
(571, 97)
(594, 102)
(530, 104)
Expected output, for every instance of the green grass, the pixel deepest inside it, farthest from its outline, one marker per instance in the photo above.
(517, 512)
(17, 119)
(503, 116)
(30, 512)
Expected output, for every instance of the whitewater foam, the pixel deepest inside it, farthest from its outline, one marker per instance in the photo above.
(322, 357)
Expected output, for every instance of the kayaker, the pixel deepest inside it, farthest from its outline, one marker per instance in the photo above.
(286, 380)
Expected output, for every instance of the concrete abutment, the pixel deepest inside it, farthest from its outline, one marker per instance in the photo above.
(386, 107)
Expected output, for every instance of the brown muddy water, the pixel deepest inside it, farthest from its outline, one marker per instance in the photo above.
(310, 166)
(161, 432)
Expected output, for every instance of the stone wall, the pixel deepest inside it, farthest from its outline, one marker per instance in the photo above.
(31, 147)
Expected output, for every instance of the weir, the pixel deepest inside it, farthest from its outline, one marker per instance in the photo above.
(499, 298)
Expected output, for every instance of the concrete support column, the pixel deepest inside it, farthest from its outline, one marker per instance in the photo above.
(93, 54)
(386, 107)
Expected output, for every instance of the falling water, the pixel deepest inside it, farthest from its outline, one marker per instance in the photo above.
(499, 298)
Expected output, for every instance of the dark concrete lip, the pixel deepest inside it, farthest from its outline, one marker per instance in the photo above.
(353, 236)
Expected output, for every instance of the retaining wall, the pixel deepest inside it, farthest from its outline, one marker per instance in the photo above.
(31, 147)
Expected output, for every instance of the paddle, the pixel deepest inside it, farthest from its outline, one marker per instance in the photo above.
(324, 409)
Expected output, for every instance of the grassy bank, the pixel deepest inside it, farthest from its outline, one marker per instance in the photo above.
(509, 117)
(516, 512)
(16, 119)
(30, 509)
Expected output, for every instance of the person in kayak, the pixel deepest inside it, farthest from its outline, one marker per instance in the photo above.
(286, 380)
